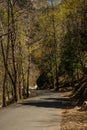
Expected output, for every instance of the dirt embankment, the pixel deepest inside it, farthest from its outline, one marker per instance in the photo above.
(73, 118)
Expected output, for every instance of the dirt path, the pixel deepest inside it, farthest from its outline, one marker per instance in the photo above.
(39, 113)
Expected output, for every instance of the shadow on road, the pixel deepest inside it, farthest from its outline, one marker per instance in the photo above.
(51, 103)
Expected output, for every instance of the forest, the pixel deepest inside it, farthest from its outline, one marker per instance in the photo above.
(47, 37)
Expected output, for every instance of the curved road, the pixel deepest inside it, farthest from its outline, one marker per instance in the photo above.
(39, 113)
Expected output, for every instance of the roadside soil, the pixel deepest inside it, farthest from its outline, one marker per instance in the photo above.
(72, 117)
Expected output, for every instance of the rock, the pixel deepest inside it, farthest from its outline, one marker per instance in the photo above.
(84, 106)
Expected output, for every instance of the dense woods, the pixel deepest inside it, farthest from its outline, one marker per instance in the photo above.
(48, 37)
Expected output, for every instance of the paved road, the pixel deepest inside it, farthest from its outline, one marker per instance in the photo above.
(39, 113)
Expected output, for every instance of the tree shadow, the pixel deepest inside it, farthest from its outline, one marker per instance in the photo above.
(62, 103)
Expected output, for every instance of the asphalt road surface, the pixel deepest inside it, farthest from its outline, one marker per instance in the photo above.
(39, 113)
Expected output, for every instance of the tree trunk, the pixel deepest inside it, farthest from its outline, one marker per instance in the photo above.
(28, 75)
(4, 90)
